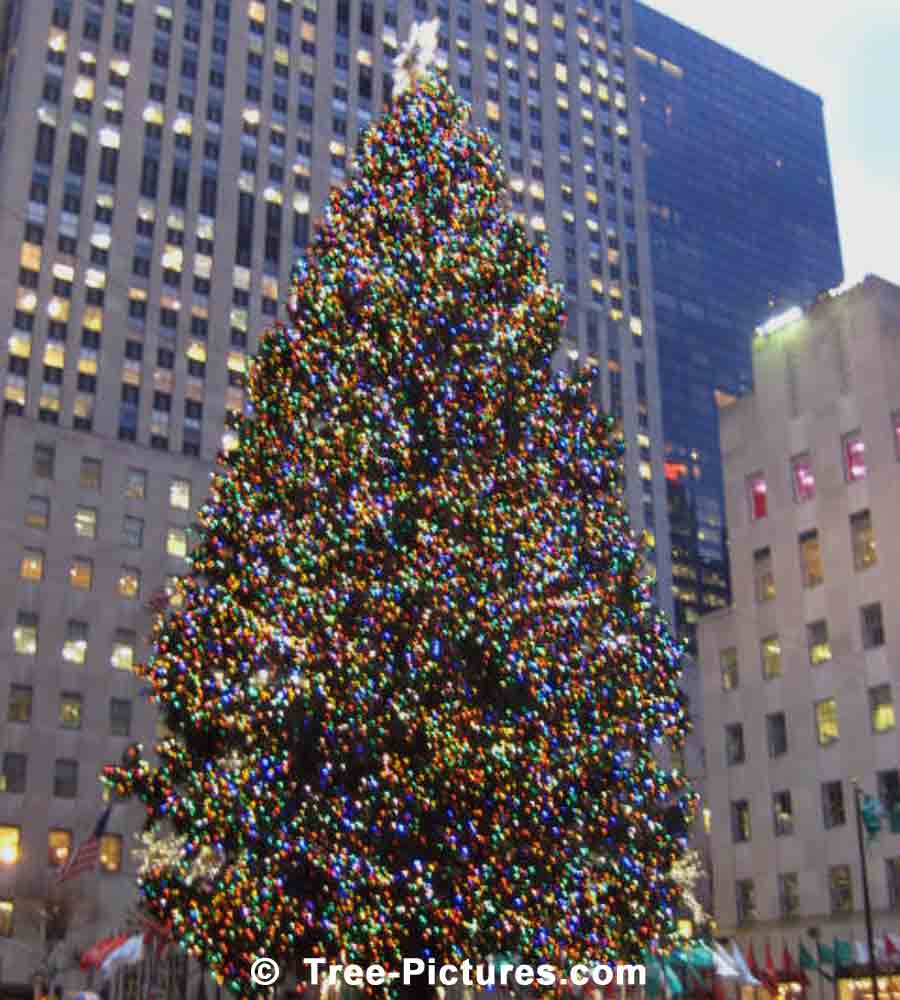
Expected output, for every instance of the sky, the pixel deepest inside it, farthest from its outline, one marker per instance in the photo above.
(848, 52)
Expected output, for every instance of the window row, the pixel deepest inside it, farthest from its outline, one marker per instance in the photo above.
(81, 568)
(60, 844)
(69, 714)
(825, 713)
(75, 645)
(85, 521)
(14, 779)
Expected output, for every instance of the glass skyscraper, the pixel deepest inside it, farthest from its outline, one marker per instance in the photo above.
(742, 222)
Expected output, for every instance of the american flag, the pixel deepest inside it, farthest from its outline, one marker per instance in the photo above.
(88, 854)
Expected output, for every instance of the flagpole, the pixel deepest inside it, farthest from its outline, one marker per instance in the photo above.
(867, 905)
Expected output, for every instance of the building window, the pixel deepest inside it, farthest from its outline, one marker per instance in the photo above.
(59, 847)
(788, 895)
(862, 538)
(21, 700)
(840, 889)
(745, 898)
(893, 882)
(176, 542)
(734, 744)
(70, 710)
(854, 457)
(15, 773)
(123, 649)
(119, 717)
(81, 573)
(757, 496)
(783, 814)
(770, 652)
(86, 522)
(872, 625)
(803, 479)
(133, 531)
(65, 779)
(25, 634)
(136, 484)
(180, 494)
(728, 663)
(827, 721)
(91, 473)
(130, 583)
(10, 842)
(811, 568)
(776, 733)
(740, 821)
(763, 577)
(882, 707)
(32, 566)
(37, 513)
(111, 852)
(817, 642)
(75, 643)
(43, 461)
(833, 812)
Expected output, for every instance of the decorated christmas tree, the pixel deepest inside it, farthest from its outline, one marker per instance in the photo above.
(416, 685)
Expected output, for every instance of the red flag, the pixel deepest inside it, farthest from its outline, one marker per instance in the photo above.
(890, 948)
(93, 958)
(791, 970)
(156, 934)
(758, 973)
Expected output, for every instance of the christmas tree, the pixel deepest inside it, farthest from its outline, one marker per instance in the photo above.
(415, 682)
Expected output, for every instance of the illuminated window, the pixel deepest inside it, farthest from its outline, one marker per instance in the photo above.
(136, 484)
(86, 522)
(745, 900)
(740, 821)
(770, 652)
(32, 566)
(854, 457)
(728, 664)
(130, 583)
(758, 496)
(177, 543)
(827, 721)
(817, 642)
(862, 538)
(59, 847)
(37, 513)
(783, 812)
(81, 573)
(788, 895)
(882, 706)
(70, 710)
(122, 657)
(811, 567)
(25, 633)
(7, 911)
(75, 643)
(803, 479)
(840, 889)
(111, 852)
(763, 576)
(10, 843)
(21, 701)
(91, 473)
(180, 494)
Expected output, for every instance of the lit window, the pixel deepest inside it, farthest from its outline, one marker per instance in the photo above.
(783, 811)
(745, 899)
(111, 852)
(37, 513)
(173, 592)
(740, 821)
(136, 484)
(75, 644)
(770, 650)
(32, 566)
(758, 497)
(130, 583)
(882, 706)
(91, 473)
(20, 703)
(803, 479)
(86, 522)
(862, 538)
(10, 842)
(70, 711)
(176, 543)
(788, 895)
(59, 847)
(123, 650)
(7, 908)
(827, 721)
(728, 663)
(763, 576)
(810, 551)
(817, 642)
(180, 494)
(840, 889)
(854, 457)
(81, 573)
(25, 633)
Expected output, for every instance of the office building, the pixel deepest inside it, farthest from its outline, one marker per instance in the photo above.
(801, 675)
(162, 167)
(742, 222)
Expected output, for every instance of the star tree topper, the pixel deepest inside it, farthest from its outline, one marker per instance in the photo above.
(416, 56)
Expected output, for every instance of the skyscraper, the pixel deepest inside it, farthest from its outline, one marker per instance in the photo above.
(742, 220)
(161, 164)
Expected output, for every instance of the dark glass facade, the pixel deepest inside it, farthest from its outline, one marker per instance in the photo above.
(742, 222)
